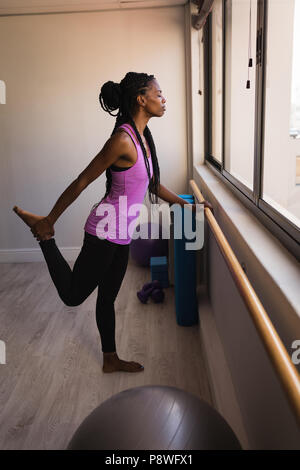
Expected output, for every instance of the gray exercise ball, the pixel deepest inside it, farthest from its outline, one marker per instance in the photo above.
(154, 417)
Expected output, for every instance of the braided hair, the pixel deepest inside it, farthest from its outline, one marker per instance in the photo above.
(123, 96)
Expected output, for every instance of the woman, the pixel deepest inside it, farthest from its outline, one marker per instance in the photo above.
(102, 261)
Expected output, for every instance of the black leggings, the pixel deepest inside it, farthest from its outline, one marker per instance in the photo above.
(100, 263)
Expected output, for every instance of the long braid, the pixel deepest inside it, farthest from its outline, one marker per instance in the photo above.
(123, 96)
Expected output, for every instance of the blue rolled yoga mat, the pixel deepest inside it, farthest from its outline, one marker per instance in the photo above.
(185, 275)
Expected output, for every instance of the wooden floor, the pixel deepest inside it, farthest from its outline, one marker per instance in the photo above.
(53, 375)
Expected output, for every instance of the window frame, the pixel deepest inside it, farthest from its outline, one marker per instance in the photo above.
(279, 225)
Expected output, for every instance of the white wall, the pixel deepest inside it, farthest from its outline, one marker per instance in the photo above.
(52, 124)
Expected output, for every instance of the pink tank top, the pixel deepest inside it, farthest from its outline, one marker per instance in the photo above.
(115, 217)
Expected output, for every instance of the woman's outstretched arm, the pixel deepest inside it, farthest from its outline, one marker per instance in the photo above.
(65, 200)
(118, 145)
(171, 197)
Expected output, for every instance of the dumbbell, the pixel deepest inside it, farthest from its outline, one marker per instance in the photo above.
(157, 295)
(147, 289)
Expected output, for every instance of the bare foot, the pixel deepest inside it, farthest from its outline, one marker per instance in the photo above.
(112, 363)
(29, 218)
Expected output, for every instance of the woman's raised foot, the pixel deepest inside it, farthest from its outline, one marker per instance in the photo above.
(30, 219)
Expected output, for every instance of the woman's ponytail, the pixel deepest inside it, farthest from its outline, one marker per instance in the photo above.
(110, 97)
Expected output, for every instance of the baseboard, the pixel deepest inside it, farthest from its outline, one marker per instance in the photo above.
(32, 255)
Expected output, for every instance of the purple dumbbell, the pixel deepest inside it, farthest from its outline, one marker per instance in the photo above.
(157, 295)
(155, 284)
(145, 292)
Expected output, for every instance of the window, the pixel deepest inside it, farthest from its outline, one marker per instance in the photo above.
(281, 189)
(239, 100)
(216, 81)
(253, 110)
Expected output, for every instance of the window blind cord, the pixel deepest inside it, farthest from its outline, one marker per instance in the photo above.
(249, 49)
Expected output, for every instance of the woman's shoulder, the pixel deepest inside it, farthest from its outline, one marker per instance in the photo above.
(119, 143)
(127, 132)
(122, 144)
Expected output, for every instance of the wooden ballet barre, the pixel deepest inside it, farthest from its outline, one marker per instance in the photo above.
(285, 369)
